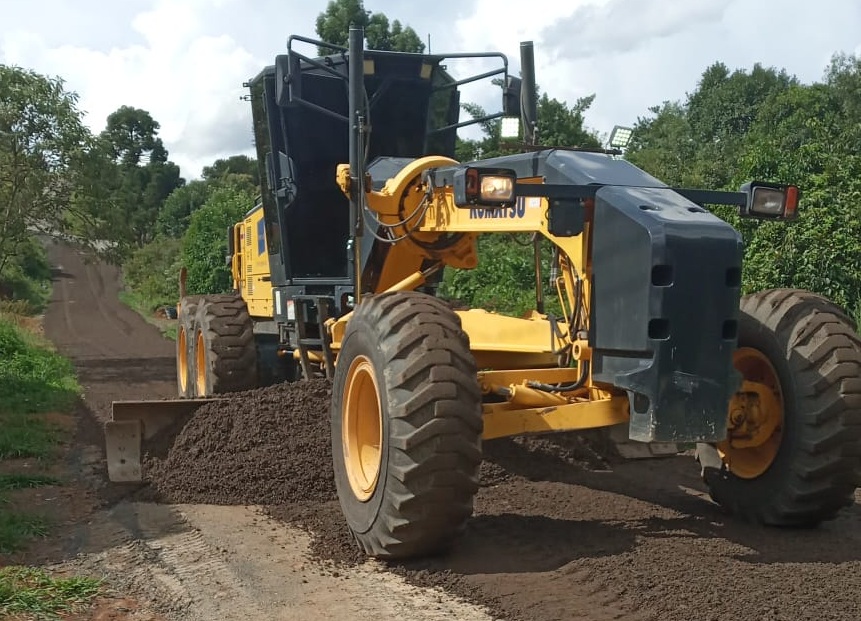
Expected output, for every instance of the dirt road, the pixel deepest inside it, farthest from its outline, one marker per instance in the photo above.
(552, 538)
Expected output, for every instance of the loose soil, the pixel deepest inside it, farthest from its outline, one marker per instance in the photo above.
(259, 447)
(560, 531)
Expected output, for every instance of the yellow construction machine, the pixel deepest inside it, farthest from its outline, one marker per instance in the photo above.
(336, 273)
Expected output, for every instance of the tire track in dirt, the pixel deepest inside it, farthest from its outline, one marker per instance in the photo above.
(70, 323)
(96, 282)
(199, 562)
(120, 358)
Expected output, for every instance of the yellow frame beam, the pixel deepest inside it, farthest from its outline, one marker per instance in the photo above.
(502, 422)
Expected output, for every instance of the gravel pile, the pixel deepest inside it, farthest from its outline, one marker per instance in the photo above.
(268, 446)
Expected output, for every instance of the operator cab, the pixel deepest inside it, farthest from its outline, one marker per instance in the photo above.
(300, 113)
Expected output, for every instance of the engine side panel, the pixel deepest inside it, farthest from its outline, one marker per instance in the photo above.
(252, 265)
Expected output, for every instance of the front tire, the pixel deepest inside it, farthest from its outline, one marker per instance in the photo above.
(805, 471)
(224, 352)
(406, 426)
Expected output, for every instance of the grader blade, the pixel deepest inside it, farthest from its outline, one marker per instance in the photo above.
(134, 424)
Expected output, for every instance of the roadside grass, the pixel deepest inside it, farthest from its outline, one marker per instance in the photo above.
(33, 378)
(35, 382)
(16, 529)
(135, 302)
(17, 480)
(23, 435)
(36, 594)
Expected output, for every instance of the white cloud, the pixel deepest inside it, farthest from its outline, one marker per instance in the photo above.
(596, 31)
(634, 54)
(189, 80)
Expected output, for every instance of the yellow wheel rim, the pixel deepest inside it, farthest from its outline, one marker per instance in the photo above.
(200, 365)
(182, 345)
(362, 428)
(755, 418)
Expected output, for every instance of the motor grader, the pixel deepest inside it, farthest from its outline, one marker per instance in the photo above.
(336, 272)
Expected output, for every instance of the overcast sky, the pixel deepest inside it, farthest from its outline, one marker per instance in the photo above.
(185, 60)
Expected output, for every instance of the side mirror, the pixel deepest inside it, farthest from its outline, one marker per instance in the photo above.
(283, 180)
(511, 96)
(769, 201)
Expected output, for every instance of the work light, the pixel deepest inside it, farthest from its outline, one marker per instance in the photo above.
(510, 127)
(620, 137)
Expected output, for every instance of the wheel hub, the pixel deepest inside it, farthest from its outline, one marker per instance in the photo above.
(200, 365)
(182, 345)
(755, 417)
(362, 428)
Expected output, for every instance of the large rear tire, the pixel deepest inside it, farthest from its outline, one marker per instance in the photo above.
(800, 468)
(406, 426)
(224, 352)
(185, 332)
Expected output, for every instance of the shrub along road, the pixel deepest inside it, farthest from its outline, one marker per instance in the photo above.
(557, 534)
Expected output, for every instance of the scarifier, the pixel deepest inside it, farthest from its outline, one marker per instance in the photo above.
(336, 271)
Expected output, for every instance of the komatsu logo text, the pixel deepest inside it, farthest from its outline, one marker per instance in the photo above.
(518, 210)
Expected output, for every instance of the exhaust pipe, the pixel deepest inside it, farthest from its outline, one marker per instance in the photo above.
(528, 96)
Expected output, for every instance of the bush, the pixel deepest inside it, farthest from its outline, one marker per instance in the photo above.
(204, 245)
(504, 280)
(152, 273)
(26, 277)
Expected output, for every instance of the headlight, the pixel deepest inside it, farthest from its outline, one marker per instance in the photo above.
(493, 187)
(767, 202)
(770, 201)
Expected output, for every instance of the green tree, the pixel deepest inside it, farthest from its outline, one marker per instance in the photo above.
(236, 167)
(663, 144)
(26, 276)
(204, 245)
(489, 145)
(394, 38)
(721, 111)
(238, 172)
(333, 26)
(143, 176)
(559, 125)
(175, 215)
(763, 124)
(698, 142)
(42, 141)
(796, 140)
(843, 76)
(504, 280)
(132, 136)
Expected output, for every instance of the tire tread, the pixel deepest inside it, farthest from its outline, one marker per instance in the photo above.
(825, 361)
